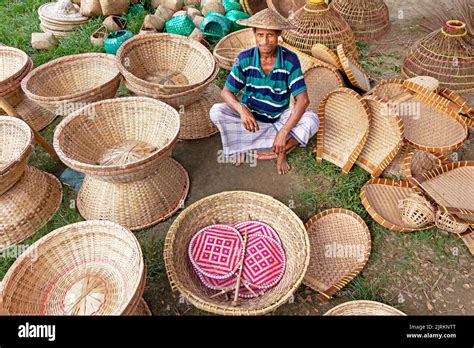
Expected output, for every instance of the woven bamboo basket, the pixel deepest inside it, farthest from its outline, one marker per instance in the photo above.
(418, 162)
(11, 91)
(369, 19)
(105, 278)
(195, 120)
(363, 308)
(28, 205)
(416, 211)
(446, 54)
(286, 8)
(323, 53)
(395, 168)
(429, 125)
(450, 186)
(449, 223)
(177, 100)
(316, 22)
(67, 84)
(253, 6)
(142, 310)
(13, 63)
(118, 140)
(16, 147)
(33, 114)
(306, 60)
(345, 119)
(234, 207)
(381, 198)
(427, 82)
(227, 49)
(385, 137)
(455, 102)
(354, 72)
(165, 63)
(330, 232)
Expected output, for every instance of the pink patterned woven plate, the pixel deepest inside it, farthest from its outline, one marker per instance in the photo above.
(257, 227)
(216, 250)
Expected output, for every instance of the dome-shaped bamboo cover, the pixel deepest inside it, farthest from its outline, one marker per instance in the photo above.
(316, 23)
(446, 54)
(369, 19)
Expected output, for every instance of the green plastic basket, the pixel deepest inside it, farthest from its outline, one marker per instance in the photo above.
(232, 5)
(215, 26)
(180, 25)
(234, 16)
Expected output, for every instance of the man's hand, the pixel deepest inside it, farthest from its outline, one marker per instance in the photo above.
(279, 145)
(248, 120)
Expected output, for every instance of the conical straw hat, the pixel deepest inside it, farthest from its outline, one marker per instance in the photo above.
(267, 19)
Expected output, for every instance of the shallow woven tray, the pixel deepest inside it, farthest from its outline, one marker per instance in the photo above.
(230, 208)
(385, 137)
(325, 54)
(195, 120)
(381, 197)
(28, 205)
(395, 168)
(434, 128)
(16, 147)
(107, 274)
(47, 11)
(451, 187)
(138, 204)
(329, 272)
(142, 309)
(13, 62)
(83, 138)
(344, 129)
(307, 61)
(286, 8)
(418, 162)
(229, 47)
(253, 6)
(34, 114)
(363, 308)
(66, 84)
(165, 63)
(355, 73)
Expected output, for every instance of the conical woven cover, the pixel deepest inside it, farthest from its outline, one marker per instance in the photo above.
(318, 23)
(446, 54)
(369, 19)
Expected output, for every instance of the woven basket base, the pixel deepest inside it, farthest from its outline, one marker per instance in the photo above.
(142, 309)
(33, 114)
(139, 204)
(28, 205)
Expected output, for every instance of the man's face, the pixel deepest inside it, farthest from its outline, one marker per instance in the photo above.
(266, 39)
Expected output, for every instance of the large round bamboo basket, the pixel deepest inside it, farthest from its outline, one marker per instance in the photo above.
(229, 47)
(16, 147)
(105, 278)
(67, 84)
(230, 208)
(13, 63)
(363, 308)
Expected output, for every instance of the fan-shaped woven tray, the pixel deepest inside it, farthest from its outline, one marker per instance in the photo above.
(356, 74)
(229, 47)
(67, 84)
(307, 62)
(105, 278)
(363, 308)
(340, 247)
(385, 137)
(451, 187)
(381, 198)
(395, 168)
(286, 8)
(418, 162)
(428, 124)
(344, 130)
(195, 120)
(325, 54)
(16, 147)
(165, 63)
(34, 114)
(28, 205)
(253, 6)
(137, 204)
(231, 208)
(142, 310)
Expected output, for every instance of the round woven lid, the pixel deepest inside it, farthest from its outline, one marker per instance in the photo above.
(50, 12)
(267, 19)
(363, 308)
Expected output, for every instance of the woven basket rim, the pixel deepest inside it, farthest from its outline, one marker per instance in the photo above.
(66, 59)
(326, 50)
(92, 167)
(328, 293)
(365, 303)
(16, 83)
(67, 230)
(373, 213)
(345, 61)
(302, 55)
(28, 146)
(24, 58)
(320, 140)
(452, 96)
(222, 41)
(203, 303)
(409, 157)
(182, 40)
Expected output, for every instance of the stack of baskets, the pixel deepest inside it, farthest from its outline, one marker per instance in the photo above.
(14, 66)
(58, 22)
(67, 84)
(123, 146)
(107, 276)
(28, 196)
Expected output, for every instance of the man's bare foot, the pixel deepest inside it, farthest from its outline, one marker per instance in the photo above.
(238, 159)
(282, 164)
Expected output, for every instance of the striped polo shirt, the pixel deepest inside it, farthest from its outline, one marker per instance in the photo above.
(267, 97)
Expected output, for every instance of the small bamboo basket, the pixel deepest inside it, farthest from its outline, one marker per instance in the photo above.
(416, 211)
(449, 223)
